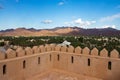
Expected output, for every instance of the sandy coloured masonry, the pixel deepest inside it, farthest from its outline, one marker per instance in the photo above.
(21, 64)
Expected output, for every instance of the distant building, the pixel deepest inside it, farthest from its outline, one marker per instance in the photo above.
(65, 43)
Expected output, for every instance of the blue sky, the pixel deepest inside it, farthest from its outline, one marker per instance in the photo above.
(46, 14)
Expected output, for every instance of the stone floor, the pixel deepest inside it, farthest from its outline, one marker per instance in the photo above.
(61, 75)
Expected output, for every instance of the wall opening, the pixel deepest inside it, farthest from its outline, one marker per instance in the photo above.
(88, 62)
(5, 56)
(50, 57)
(4, 69)
(38, 60)
(72, 59)
(58, 57)
(109, 65)
(24, 64)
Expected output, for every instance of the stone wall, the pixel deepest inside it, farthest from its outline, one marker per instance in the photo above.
(22, 63)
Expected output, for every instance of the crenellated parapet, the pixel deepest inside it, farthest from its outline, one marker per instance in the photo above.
(104, 53)
(64, 49)
(86, 51)
(70, 49)
(21, 52)
(10, 53)
(114, 54)
(28, 51)
(78, 50)
(36, 49)
(94, 52)
(26, 61)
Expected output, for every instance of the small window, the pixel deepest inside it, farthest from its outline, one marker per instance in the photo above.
(109, 65)
(58, 57)
(24, 64)
(38, 60)
(6, 56)
(72, 59)
(88, 62)
(4, 69)
(50, 57)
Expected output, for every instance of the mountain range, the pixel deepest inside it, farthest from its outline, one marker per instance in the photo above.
(60, 31)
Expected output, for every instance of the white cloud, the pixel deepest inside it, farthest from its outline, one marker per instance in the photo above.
(83, 23)
(110, 18)
(109, 26)
(61, 3)
(47, 21)
(80, 22)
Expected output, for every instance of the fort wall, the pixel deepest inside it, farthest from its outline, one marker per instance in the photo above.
(22, 63)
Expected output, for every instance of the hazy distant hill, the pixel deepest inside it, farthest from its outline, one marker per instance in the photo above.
(60, 31)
